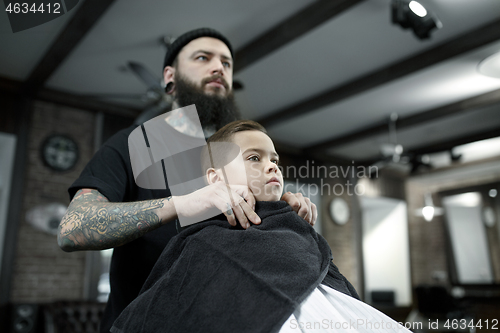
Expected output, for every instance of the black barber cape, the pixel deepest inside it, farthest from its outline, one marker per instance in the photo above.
(213, 277)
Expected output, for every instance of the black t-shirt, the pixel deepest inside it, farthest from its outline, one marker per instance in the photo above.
(110, 172)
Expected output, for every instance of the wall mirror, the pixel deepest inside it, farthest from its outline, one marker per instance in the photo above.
(386, 250)
(472, 224)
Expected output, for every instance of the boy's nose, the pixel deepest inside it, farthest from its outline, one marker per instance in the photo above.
(272, 167)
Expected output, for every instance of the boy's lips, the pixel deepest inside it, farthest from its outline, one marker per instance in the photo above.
(274, 180)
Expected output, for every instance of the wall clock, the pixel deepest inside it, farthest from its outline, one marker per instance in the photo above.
(59, 152)
(339, 211)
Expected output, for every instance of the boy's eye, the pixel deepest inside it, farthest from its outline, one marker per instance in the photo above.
(276, 162)
(253, 158)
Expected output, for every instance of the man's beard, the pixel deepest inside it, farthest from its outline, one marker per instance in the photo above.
(214, 110)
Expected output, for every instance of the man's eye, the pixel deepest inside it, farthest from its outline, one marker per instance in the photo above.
(227, 64)
(202, 57)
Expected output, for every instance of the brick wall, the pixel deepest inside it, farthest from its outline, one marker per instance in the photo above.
(427, 240)
(42, 271)
(344, 240)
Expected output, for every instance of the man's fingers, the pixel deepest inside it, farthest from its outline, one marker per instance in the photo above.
(240, 216)
(250, 200)
(308, 213)
(242, 211)
(227, 195)
(315, 214)
(229, 213)
(292, 200)
(245, 193)
(302, 206)
(222, 201)
(250, 213)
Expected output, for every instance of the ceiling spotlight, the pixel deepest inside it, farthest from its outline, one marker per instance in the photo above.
(411, 14)
(417, 8)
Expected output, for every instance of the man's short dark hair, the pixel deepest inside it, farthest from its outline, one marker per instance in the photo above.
(181, 41)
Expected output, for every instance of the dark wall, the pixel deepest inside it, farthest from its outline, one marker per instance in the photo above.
(9, 118)
(34, 269)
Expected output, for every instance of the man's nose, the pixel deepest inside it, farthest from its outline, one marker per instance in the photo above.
(217, 67)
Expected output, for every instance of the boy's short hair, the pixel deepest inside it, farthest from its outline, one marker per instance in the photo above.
(219, 153)
(226, 132)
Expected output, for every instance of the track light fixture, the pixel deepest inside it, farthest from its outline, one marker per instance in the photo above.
(411, 14)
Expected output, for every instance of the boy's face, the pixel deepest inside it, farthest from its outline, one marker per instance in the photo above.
(260, 165)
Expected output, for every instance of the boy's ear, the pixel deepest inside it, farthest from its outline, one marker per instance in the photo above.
(213, 176)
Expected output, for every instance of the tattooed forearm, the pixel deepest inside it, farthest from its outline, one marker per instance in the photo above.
(94, 223)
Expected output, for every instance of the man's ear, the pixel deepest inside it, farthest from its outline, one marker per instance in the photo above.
(213, 176)
(168, 77)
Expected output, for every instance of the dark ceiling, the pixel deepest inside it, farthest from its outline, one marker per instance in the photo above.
(322, 76)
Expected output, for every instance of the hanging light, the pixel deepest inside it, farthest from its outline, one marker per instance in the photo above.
(429, 210)
(428, 213)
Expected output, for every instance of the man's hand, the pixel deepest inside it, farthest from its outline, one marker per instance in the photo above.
(240, 206)
(302, 206)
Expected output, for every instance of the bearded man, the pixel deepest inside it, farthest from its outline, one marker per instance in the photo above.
(108, 209)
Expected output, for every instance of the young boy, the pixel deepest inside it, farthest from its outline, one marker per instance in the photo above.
(214, 277)
(238, 159)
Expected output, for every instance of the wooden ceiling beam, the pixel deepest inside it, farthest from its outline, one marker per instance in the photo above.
(466, 105)
(450, 144)
(444, 51)
(444, 145)
(14, 87)
(89, 12)
(79, 102)
(302, 22)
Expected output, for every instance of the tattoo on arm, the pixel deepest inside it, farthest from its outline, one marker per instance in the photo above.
(94, 223)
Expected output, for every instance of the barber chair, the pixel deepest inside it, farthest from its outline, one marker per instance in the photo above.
(383, 298)
(73, 317)
(436, 305)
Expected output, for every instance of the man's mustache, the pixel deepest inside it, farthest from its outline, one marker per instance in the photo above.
(215, 78)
